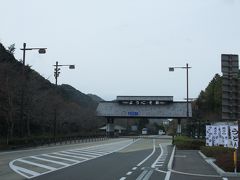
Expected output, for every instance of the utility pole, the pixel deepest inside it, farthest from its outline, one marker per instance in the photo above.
(56, 75)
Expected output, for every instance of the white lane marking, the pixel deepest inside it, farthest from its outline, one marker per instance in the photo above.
(37, 164)
(148, 175)
(48, 160)
(225, 178)
(193, 174)
(167, 177)
(129, 173)
(31, 174)
(154, 149)
(88, 152)
(154, 164)
(23, 171)
(79, 154)
(160, 170)
(62, 158)
(67, 155)
(140, 177)
(134, 168)
(122, 178)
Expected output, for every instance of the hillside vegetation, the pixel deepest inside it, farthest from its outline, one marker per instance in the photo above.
(28, 102)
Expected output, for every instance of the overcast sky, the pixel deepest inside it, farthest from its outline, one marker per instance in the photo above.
(124, 47)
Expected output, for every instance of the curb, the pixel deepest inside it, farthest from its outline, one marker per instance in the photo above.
(218, 169)
(170, 163)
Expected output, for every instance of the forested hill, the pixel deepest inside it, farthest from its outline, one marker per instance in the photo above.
(207, 107)
(34, 97)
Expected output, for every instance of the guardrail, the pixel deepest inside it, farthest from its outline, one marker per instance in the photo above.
(49, 141)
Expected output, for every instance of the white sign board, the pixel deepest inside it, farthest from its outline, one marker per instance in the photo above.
(219, 135)
(209, 135)
(234, 136)
(215, 135)
(224, 135)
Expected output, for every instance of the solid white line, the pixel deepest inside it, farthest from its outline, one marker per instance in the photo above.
(192, 174)
(148, 175)
(154, 149)
(37, 164)
(140, 177)
(61, 154)
(48, 160)
(225, 178)
(23, 171)
(167, 177)
(89, 152)
(160, 171)
(154, 164)
(78, 154)
(83, 152)
(123, 178)
(129, 173)
(57, 157)
(170, 162)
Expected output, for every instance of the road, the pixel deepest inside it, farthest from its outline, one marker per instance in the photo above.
(113, 159)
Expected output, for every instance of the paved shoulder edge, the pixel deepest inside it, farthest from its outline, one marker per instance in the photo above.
(218, 169)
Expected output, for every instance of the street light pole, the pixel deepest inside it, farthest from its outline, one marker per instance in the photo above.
(24, 49)
(171, 69)
(187, 67)
(56, 75)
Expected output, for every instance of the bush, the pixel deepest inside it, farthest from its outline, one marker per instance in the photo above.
(186, 143)
(215, 150)
(223, 156)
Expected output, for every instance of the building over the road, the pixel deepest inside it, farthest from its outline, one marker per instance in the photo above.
(142, 107)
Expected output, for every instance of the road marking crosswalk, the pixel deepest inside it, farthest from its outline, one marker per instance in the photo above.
(33, 166)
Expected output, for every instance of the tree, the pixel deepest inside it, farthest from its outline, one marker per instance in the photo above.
(11, 49)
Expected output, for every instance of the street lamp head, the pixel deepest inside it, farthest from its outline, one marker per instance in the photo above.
(42, 51)
(71, 66)
(171, 69)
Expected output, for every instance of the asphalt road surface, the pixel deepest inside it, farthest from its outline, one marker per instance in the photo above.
(114, 159)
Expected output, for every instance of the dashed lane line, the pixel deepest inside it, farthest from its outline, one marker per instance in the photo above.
(129, 173)
(140, 177)
(134, 168)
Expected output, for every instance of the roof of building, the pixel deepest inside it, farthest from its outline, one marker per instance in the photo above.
(144, 98)
(168, 110)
